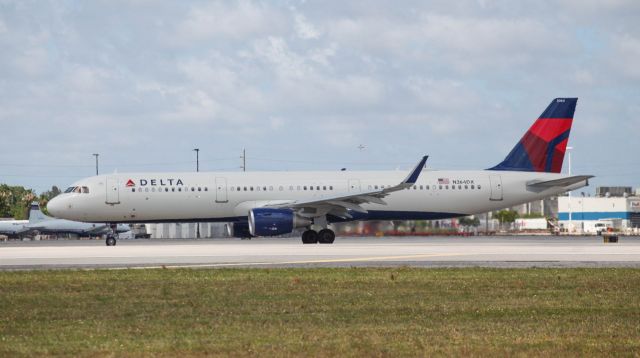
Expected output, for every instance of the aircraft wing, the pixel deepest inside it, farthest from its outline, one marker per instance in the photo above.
(559, 182)
(339, 205)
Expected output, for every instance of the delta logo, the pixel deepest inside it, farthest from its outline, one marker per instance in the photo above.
(155, 182)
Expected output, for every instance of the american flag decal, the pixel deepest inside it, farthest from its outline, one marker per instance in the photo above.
(443, 180)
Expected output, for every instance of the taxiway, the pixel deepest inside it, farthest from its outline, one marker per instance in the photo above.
(289, 252)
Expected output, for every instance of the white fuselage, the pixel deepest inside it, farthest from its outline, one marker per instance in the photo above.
(169, 197)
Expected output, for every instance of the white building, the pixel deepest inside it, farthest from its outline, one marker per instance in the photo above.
(591, 214)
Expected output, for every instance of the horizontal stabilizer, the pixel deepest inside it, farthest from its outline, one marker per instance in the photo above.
(559, 182)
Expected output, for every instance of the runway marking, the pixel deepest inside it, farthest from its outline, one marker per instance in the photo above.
(232, 264)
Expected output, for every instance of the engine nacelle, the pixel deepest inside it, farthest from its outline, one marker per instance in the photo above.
(273, 222)
(238, 229)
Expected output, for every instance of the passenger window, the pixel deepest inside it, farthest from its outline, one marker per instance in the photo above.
(311, 187)
(478, 186)
(231, 188)
(146, 189)
(459, 186)
(199, 189)
(325, 187)
(258, 188)
(251, 188)
(427, 187)
(193, 189)
(466, 187)
(133, 190)
(281, 188)
(304, 187)
(421, 187)
(153, 190)
(271, 188)
(166, 189)
(331, 187)
(290, 187)
(473, 187)
(453, 187)
(179, 189)
(440, 187)
(245, 188)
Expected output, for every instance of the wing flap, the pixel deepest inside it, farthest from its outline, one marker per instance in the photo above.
(559, 182)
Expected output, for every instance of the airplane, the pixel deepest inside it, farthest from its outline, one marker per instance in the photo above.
(14, 229)
(43, 224)
(276, 203)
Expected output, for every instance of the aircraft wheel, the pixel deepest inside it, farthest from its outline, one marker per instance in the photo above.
(326, 236)
(309, 237)
(111, 241)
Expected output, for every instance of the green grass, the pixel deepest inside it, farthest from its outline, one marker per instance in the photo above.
(321, 312)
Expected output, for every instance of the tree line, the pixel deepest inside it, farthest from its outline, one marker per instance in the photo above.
(15, 200)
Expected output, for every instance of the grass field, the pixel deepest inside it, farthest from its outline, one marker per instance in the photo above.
(321, 312)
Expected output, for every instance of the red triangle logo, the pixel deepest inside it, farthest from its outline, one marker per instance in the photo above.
(131, 183)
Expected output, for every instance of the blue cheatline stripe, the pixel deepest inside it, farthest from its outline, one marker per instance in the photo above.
(551, 146)
(594, 215)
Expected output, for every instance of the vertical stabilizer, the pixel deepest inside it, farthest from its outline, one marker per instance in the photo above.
(542, 148)
(35, 215)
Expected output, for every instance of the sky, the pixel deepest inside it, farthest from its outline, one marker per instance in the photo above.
(310, 85)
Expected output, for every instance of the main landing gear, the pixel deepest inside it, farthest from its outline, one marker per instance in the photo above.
(324, 236)
(112, 237)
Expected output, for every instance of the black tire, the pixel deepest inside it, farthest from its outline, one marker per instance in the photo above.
(309, 237)
(326, 236)
(111, 241)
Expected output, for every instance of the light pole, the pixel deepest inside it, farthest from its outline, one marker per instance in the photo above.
(244, 160)
(197, 150)
(96, 155)
(570, 209)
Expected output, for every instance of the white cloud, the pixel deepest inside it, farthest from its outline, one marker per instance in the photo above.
(304, 28)
(627, 54)
(235, 21)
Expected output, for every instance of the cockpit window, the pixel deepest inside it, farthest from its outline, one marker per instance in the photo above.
(77, 190)
(69, 189)
(85, 190)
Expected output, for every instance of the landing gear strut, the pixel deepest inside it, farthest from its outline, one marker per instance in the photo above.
(112, 237)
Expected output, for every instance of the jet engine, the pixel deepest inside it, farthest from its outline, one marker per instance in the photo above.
(272, 222)
(238, 229)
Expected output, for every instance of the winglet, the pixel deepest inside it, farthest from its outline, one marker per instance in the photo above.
(415, 173)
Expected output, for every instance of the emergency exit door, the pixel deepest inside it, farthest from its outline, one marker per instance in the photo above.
(354, 185)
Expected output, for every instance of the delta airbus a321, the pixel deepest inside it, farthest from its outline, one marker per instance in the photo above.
(276, 203)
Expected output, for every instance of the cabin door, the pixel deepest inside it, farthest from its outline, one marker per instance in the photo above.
(113, 193)
(496, 187)
(221, 190)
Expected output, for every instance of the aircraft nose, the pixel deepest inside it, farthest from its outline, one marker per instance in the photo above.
(55, 207)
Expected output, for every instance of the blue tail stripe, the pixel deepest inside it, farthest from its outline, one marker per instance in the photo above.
(551, 147)
(517, 160)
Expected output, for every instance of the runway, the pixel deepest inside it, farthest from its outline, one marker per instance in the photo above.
(289, 252)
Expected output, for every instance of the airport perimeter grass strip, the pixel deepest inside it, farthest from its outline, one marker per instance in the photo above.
(321, 312)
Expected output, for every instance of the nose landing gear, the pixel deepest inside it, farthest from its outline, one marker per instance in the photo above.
(112, 237)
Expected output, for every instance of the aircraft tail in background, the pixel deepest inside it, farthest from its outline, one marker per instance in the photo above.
(36, 215)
